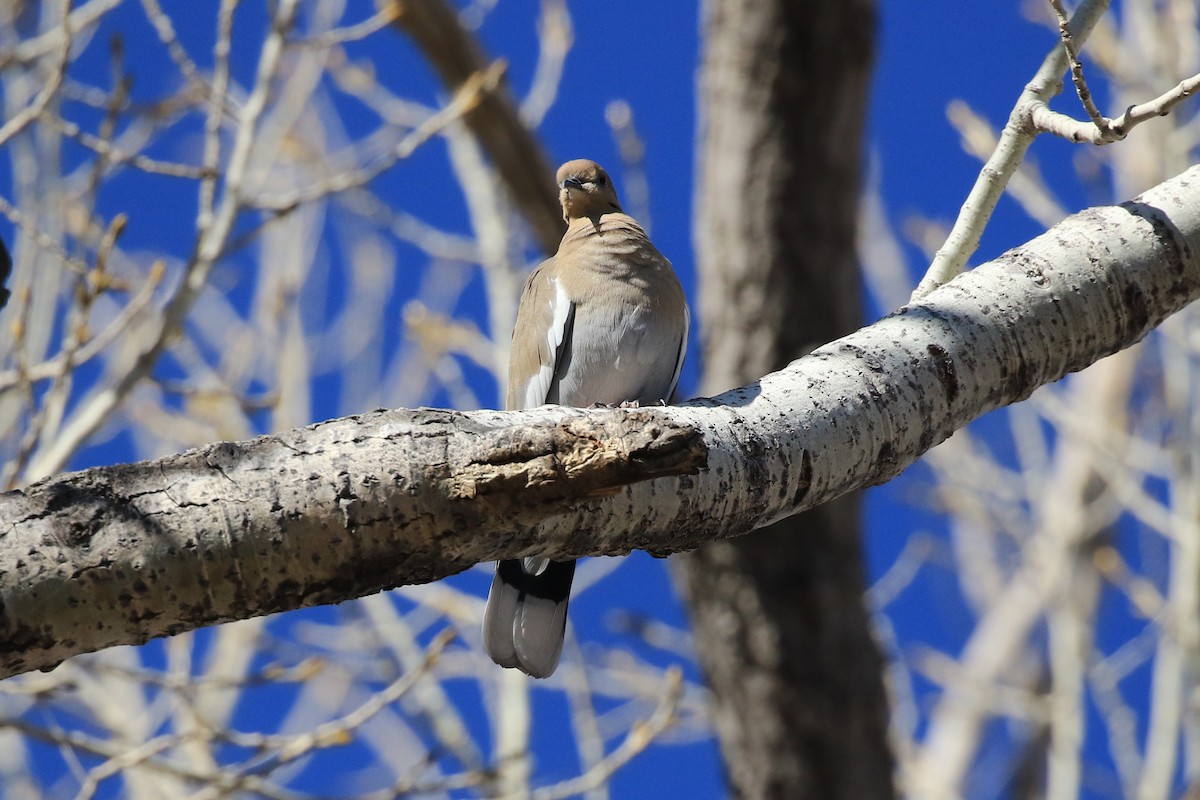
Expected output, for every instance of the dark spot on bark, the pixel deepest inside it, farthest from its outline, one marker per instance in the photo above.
(84, 507)
(883, 466)
(887, 457)
(1137, 312)
(288, 595)
(869, 359)
(758, 476)
(805, 479)
(1178, 255)
(1018, 383)
(223, 457)
(943, 366)
(22, 639)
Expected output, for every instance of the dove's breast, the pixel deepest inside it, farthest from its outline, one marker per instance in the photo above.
(630, 328)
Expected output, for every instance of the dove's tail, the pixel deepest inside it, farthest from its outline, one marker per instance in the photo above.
(526, 615)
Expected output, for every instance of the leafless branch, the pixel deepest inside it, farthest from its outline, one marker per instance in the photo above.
(495, 120)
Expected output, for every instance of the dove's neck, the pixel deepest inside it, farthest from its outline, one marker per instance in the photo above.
(602, 225)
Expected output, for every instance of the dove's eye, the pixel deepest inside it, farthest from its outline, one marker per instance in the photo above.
(600, 181)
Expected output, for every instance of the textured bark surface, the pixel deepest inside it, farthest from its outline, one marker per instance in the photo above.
(118, 555)
(316, 515)
(779, 621)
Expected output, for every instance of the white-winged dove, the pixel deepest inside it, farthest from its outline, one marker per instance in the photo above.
(603, 321)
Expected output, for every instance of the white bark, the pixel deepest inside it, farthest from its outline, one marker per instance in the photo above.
(345, 508)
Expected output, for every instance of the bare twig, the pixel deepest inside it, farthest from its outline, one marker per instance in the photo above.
(1015, 139)
(121, 762)
(1110, 130)
(385, 16)
(1027, 186)
(429, 700)
(45, 422)
(1102, 130)
(52, 82)
(638, 739)
(94, 345)
(1081, 87)
(555, 37)
(39, 237)
(1071, 625)
(32, 49)
(1031, 115)
(1031, 591)
(513, 150)
(469, 95)
(1178, 646)
(116, 156)
(213, 234)
(212, 121)
(145, 757)
(336, 732)
(636, 189)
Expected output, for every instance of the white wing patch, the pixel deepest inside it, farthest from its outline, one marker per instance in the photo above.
(538, 387)
(687, 324)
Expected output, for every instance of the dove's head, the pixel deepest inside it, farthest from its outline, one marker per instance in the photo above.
(585, 190)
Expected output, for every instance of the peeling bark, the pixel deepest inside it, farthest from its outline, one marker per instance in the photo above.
(118, 555)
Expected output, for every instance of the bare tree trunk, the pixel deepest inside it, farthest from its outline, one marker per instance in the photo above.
(780, 625)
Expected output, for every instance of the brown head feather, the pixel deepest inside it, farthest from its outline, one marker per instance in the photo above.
(585, 190)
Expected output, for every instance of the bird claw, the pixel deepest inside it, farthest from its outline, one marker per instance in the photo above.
(626, 404)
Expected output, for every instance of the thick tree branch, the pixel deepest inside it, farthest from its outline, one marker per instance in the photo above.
(345, 508)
